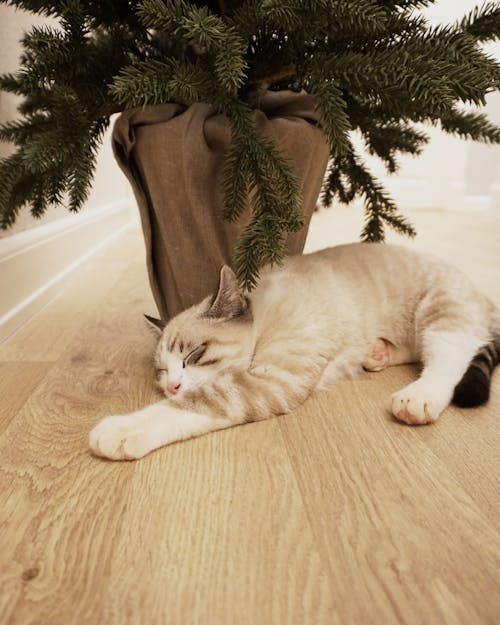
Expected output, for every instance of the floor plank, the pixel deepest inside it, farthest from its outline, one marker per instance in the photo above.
(217, 523)
(46, 335)
(400, 533)
(334, 515)
(167, 539)
(18, 380)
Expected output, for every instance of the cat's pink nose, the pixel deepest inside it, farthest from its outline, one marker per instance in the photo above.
(173, 388)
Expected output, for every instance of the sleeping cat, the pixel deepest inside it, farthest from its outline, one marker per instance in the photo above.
(238, 357)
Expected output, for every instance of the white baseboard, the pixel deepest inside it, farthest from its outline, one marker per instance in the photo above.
(35, 264)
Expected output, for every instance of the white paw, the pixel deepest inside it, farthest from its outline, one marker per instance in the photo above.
(418, 403)
(119, 438)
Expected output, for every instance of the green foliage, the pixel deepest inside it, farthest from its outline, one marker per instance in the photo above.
(376, 68)
(348, 179)
(483, 22)
(254, 166)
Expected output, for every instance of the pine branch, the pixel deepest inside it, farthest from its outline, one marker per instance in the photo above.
(407, 4)
(363, 17)
(385, 141)
(483, 22)
(373, 65)
(285, 15)
(253, 164)
(469, 125)
(206, 33)
(332, 108)
(391, 78)
(81, 171)
(49, 9)
(348, 178)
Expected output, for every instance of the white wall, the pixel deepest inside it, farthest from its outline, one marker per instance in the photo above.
(450, 173)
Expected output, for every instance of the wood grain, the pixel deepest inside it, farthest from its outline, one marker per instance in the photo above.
(200, 532)
(398, 523)
(335, 514)
(17, 382)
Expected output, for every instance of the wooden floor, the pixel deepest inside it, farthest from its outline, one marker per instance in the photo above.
(333, 515)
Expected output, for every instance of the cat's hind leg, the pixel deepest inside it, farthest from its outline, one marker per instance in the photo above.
(385, 354)
(446, 356)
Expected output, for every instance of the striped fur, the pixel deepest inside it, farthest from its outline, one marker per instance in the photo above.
(474, 388)
(238, 357)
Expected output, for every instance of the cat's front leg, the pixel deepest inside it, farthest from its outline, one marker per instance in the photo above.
(132, 436)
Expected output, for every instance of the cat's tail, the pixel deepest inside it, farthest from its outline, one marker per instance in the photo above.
(474, 387)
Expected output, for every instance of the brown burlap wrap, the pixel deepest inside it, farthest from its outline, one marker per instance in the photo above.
(173, 158)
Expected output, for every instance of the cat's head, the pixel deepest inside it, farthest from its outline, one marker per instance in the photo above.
(196, 344)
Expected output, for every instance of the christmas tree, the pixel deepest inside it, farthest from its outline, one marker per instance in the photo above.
(375, 66)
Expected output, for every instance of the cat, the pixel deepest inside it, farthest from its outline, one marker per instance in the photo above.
(319, 318)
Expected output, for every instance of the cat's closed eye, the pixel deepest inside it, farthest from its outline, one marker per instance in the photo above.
(195, 355)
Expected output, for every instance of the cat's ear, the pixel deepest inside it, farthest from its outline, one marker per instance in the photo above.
(156, 324)
(229, 302)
